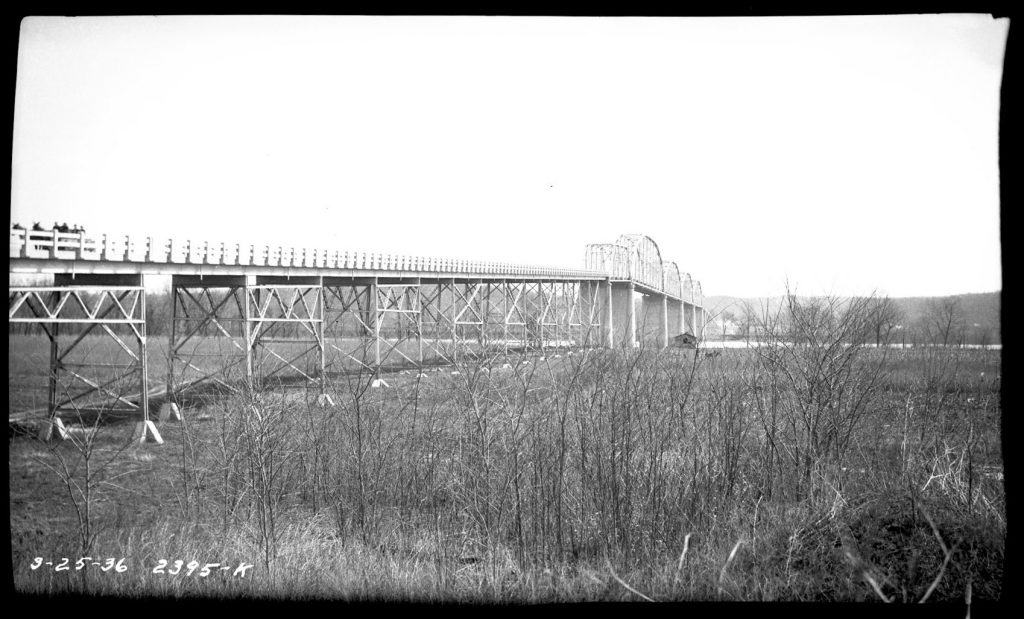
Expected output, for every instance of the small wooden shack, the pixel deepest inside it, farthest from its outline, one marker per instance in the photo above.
(684, 340)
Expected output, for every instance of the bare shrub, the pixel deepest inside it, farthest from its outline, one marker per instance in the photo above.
(814, 386)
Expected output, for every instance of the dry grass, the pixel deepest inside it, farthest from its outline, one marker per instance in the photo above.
(601, 476)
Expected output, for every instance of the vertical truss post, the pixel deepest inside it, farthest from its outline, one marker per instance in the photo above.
(575, 315)
(558, 302)
(556, 323)
(505, 292)
(248, 290)
(145, 363)
(531, 315)
(544, 304)
(631, 315)
(580, 301)
(145, 429)
(53, 333)
(576, 332)
(374, 294)
(586, 300)
(455, 321)
(54, 425)
(609, 330)
(587, 309)
(253, 300)
(485, 314)
(577, 311)
(172, 396)
(565, 305)
(569, 299)
(561, 315)
(419, 324)
(321, 335)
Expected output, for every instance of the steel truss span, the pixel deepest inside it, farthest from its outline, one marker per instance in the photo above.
(246, 314)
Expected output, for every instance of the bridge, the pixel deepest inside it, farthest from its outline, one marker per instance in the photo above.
(263, 311)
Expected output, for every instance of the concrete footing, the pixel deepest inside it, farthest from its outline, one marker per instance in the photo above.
(145, 431)
(54, 428)
(169, 410)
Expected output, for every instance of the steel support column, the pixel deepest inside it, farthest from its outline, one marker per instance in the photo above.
(116, 304)
(609, 315)
(205, 313)
(398, 319)
(285, 316)
(347, 321)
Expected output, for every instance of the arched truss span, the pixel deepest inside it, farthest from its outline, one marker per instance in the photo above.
(687, 288)
(637, 257)
(611, 258)
(673, 282)
(648, 266)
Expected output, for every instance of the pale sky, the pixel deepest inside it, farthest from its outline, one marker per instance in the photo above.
(845, 154)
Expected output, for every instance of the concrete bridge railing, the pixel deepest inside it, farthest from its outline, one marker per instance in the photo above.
(54, 245)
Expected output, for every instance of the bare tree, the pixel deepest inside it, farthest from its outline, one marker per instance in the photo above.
(945, 320)
(814, 386)
(749, 321)
(728, 318)
(884, 316)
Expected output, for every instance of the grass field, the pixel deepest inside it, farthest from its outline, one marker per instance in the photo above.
(608, 475)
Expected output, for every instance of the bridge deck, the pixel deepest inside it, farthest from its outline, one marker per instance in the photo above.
(51, 251)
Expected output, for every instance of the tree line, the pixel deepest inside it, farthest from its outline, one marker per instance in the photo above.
(943, 321)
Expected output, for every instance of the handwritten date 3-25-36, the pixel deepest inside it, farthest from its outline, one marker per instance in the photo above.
(163, 566)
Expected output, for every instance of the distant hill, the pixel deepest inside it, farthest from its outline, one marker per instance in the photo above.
(982, 309)
(717, 305)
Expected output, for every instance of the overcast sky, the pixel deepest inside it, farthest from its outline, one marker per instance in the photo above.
(847, 154)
